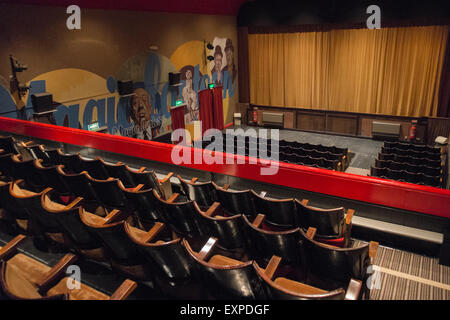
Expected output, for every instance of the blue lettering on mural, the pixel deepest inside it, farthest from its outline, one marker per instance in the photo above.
(116, 117)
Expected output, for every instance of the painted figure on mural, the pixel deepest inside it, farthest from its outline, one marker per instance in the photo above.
(145, 118)
(217, 70)
(190, 96)
(229, 55)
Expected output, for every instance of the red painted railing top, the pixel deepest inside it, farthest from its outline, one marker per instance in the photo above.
(395, 194)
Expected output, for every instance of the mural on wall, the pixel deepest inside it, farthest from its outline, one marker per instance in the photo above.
(86, 97)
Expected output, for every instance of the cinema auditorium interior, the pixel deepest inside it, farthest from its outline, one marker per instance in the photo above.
(224, 150)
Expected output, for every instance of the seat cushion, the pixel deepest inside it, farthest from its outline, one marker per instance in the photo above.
(298, 287)
(84, 292)
(224, 261)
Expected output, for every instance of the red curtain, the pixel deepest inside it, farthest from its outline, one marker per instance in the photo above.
(177, 120)
(206, 109)
(218, 108)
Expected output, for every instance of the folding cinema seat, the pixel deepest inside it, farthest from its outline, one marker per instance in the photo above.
(37, 151)
(282, 288)
(386, 156)
(7, 166)
(19, 204)
(229, 230)
(378, 172)
(170, 262)
(235, 202)
(149, 180)
(119, 171)
(50, 177)
(24, 278)
(330, 267)
(263, 244)
(181, 216)
(144, 205)
(26, 170)
(203, 193)
(121, 251)
(95, 168)
(72, 162)
(54, 156)
(74, 230)
(278, 212)
(224, 277)
(45, 223)
(8, 145)
(333, 225)
(108, 193)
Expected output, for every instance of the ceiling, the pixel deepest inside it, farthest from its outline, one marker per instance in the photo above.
(213, 7)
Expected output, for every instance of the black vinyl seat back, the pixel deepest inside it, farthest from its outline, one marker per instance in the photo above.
(181, 216)
(338, 264)
(7, 166)
(120, 172)
(95, 168)
(144, 204)
(24, 200)
(54, 157)
(46, 220)
(118, 246)
(108, 192)
(203, 193)
(72, 162)
(26, 170)
(148, 179)
(228, 282)
(236, 202)
(71, 224)
(328, 222)
(278, 212)
(264, 244)
(51, 178)
(229, 231)
(168, 258)
(78, 184)
(8, 144)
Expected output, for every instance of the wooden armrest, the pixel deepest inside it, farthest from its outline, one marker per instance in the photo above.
(173, 197)
(305, 202)
(142, 169)
(213, 209)
(272, 266)
(125, 289)
(349, 216)
(28, 143)
(138, 187)
(226, 186)
(166, 178)
(311, 232)
(112, 216)
(194, 180)
(74, 202)
(153, 232)
(353, 290)
(55, 273)
(11, 246)
(258, 220)
(207, 249)
(373, 247)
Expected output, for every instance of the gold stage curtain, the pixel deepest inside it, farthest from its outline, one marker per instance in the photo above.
(394, 71)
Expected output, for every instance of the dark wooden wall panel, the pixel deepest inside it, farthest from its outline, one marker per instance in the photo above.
(342, 124)
(311, 121)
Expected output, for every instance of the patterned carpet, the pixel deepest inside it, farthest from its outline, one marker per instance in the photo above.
(401, 275)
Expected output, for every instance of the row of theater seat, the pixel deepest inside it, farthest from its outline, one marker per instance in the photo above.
(196, 220)
(411, 163)
(331, 158)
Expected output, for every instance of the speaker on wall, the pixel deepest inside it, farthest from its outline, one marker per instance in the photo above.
(174, 78)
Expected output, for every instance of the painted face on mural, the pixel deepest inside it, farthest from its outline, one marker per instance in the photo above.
(188, 75)
(141, 108)
(218, 62)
